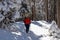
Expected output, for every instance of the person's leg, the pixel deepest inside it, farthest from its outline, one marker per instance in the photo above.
(27, 30)
(27, 27)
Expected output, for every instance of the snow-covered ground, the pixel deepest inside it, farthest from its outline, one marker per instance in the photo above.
(39, 30)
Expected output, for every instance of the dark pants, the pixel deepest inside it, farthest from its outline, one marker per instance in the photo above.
(27, 27)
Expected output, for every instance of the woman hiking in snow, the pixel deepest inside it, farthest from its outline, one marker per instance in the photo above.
(27, 22)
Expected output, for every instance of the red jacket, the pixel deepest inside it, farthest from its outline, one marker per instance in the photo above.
(27, 21)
